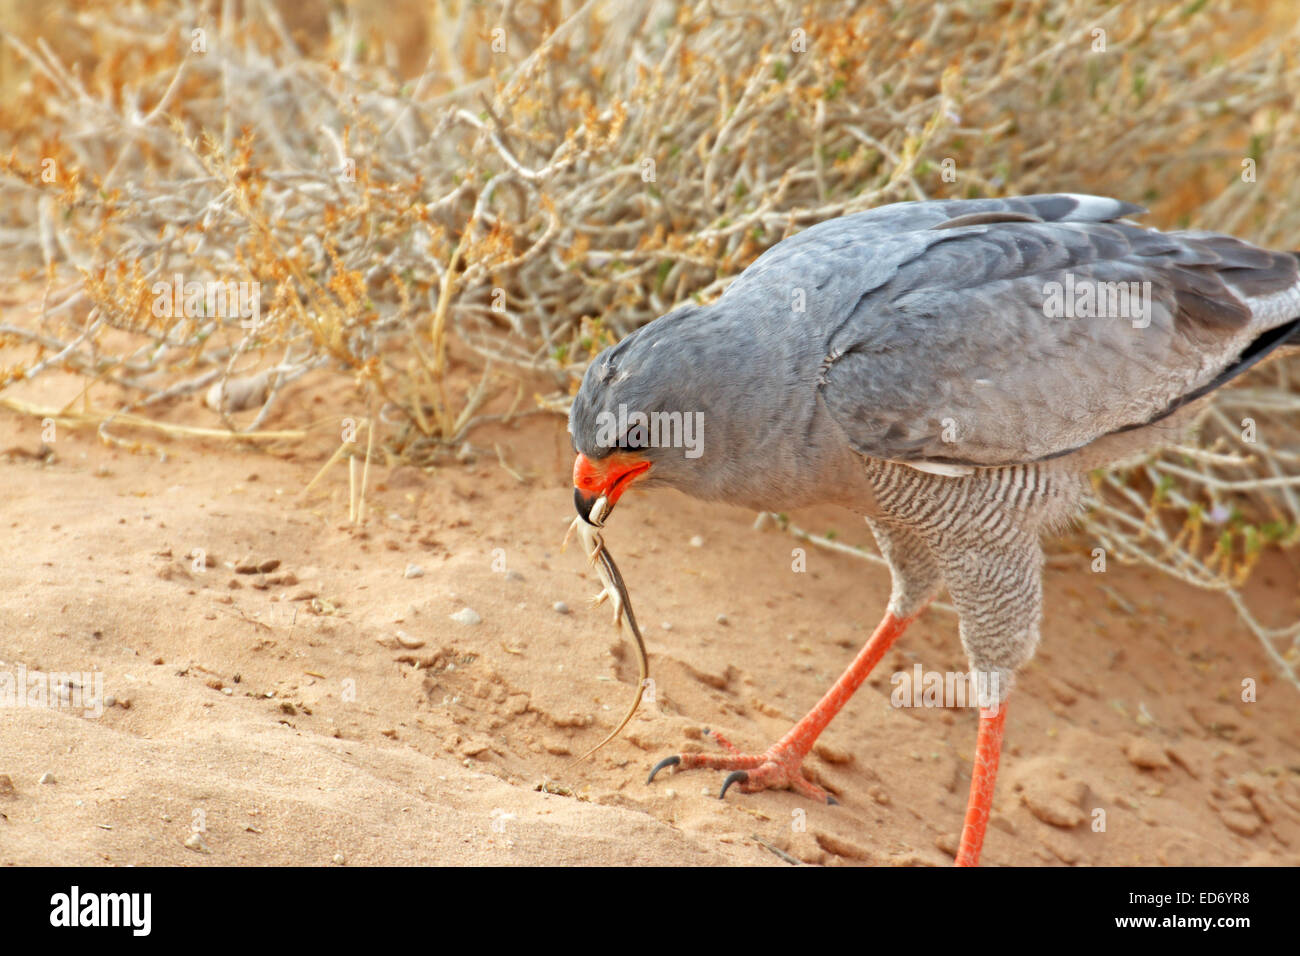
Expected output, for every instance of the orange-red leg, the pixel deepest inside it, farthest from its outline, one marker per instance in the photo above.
(988, 748)
(779, 766)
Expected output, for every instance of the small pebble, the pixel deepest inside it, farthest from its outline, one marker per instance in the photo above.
(196, 843)
(721, 619)
(666, 625)
(48, 777)
(409, 642)
(1055, 801)
(467, 616)
(1244, 824)
(697, 541)
(1146, 754)
(560, 607)
(413, 571)
(227, 691)
(6, 785)
(514, 576)
(339, 859)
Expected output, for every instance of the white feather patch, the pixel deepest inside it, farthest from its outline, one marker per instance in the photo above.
(941, 468)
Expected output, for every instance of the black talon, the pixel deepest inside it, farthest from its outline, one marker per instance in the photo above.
(666, 762)
(832, 801)
(736, 776)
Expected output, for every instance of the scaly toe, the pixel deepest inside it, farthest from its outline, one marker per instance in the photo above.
(771, 770)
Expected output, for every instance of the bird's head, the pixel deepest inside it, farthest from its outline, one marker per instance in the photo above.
(638, 417)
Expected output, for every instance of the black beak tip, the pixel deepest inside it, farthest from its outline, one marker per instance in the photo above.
(584, 502)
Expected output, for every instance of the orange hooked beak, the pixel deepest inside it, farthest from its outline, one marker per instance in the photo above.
(609, 477)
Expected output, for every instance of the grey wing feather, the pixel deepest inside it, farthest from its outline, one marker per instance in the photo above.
(863, 249)
(941, 348)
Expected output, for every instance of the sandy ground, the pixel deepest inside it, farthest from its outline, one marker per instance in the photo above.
(331, 710)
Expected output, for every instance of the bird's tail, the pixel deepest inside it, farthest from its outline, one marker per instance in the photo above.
(1292, 341)
(1286, 337)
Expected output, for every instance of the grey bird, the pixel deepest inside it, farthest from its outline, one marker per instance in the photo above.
(949, 370)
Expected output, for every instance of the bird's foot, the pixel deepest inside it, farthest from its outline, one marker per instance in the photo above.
(777, 768)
